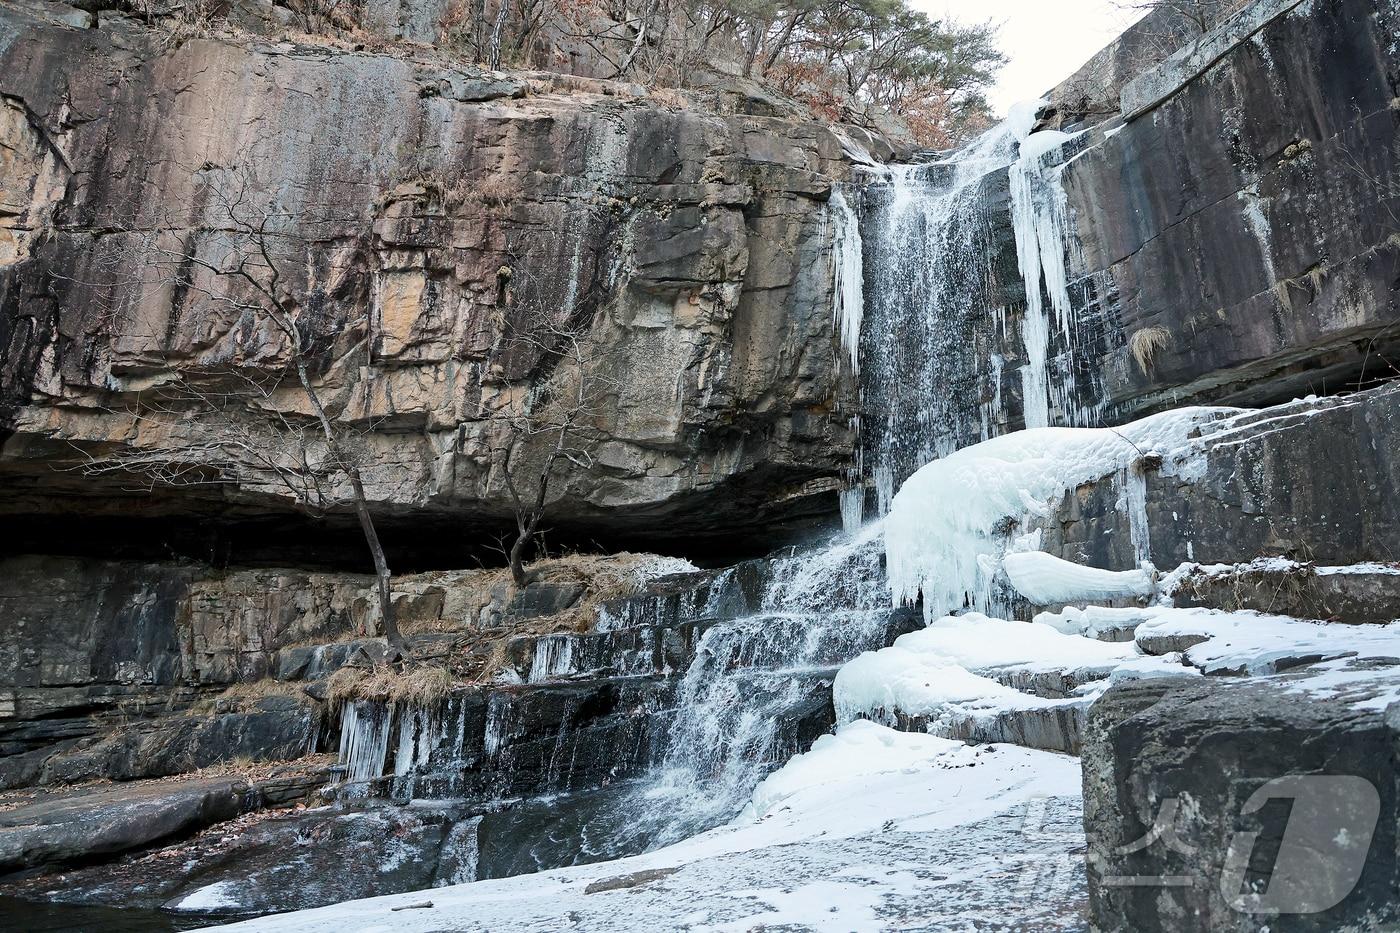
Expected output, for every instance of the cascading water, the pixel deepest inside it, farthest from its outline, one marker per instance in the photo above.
(936, 348)
(926, 248)
(741, 706)
(924, 305)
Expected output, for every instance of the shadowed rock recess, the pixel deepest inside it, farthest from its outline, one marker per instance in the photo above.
(789, 320)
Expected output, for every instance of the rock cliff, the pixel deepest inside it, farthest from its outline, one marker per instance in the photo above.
(422, 209)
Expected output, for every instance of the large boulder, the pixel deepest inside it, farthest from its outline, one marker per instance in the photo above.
(1187, 784)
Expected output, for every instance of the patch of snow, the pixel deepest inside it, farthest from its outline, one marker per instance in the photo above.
(939, 672)
(221, 895)
(1099, 622)
(1358, 687)
(1365, 567)
(857, 751)
(1047, 580)
(654, 568)
(1151, 667)
(1255, 643)
(1020, 116)
(890, 825)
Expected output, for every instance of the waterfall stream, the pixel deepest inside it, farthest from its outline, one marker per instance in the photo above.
(710, 687)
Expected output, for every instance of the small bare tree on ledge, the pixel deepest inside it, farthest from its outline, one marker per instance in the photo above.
(226, 424)
(553, 429)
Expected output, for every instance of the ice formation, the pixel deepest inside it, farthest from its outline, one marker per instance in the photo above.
(848, 287)
(951, 521)
(1040, 215)
(364, 739)
(1047, 580)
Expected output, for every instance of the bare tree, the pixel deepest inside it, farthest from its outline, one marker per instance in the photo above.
(226, 424)
(1177, 23)
(551, 426)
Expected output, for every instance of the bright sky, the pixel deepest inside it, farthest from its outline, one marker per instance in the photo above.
(1045, 40)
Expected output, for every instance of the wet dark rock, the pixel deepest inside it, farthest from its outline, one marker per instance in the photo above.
(1210, 744)
(544, 599)
(1282, 217)
(176, 745)
(271, 862)
(106, 820)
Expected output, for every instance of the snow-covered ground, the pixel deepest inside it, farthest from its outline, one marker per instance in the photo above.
(870, 829)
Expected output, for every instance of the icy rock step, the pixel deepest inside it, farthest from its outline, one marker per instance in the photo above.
(1057, 728)
(1252, 643)
(1355, 594)
(982, 679)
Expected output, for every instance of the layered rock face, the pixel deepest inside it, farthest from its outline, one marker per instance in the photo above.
(421, 213)
(1224, 231)
(1247, 211)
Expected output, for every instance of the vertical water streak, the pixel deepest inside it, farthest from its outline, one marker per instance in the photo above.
(554, 656)
(1040, 216)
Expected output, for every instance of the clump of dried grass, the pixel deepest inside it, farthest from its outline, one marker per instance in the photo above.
(1144, 345)
(604, 578)
(246, 694)
(419, 685)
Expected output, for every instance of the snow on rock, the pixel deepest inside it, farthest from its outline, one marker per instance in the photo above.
(883, 684)
(1021, 116)
(655, 567)
(1359, 686)
(221, 895)
(857, 751)
(1100, 622)
(1254, 643)
(942, 672)
(1047, 580)
(1153, 667)
(891, 826)
(945, 533)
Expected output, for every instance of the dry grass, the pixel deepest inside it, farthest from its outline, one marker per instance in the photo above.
(420, 685)
(604, 578)
(1144, 345)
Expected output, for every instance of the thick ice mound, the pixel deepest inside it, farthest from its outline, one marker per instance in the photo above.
(948, 525)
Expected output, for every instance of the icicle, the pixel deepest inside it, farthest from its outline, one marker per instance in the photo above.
(847, 285)
(554, 655)
(1133, 499)
(420, 732)
(364, 739)
(1040, 216)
